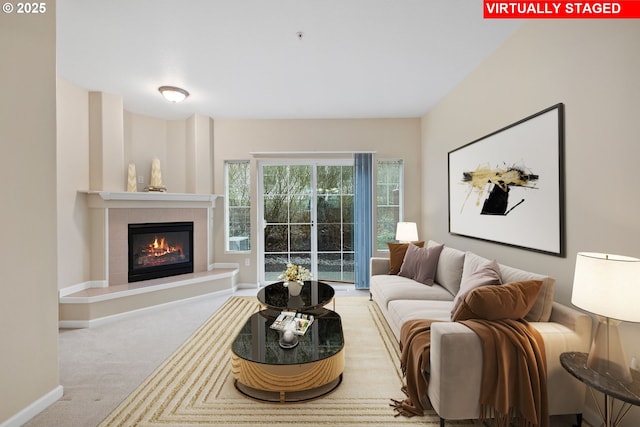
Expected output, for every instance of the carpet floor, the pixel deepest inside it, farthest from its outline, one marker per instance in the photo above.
(194, 386)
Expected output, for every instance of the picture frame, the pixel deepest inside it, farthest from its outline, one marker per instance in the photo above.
(508, 186)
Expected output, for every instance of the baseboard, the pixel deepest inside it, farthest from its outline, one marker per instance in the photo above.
(216, 265)
(247, 286)
(82, 286)
(80, 324)
(34, 408)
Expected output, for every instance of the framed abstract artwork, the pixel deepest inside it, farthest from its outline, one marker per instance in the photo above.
(508, 187)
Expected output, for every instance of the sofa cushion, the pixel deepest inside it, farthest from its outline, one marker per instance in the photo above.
(401, 311)
(510, 301)
(386, 288)
(420, 263)
(485, 274)
(541, 310)
(396, 254)
(449, 269)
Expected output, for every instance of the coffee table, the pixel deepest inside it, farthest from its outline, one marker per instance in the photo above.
(263, 370)
(314, 296)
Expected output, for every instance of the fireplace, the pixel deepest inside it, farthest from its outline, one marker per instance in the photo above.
(160, 250)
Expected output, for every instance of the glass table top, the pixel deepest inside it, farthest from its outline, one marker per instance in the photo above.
(314, 295)
(258, 343)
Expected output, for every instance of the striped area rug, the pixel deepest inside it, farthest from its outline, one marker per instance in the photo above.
(194, 386)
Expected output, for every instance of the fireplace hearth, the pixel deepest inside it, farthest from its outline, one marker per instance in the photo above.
(160, 250)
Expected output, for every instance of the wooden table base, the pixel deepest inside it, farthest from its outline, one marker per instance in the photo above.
(287, 383)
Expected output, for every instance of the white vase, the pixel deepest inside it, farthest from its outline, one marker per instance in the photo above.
(294, 286)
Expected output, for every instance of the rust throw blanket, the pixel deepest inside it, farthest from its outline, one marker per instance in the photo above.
(513, 377)
(415, 345)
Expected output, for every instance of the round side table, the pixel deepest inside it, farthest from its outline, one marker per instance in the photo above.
(628, 394)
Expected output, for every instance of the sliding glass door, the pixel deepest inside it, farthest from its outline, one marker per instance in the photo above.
(307, 216)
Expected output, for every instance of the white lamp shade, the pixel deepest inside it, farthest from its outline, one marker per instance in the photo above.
(407, 232)
(607, 285)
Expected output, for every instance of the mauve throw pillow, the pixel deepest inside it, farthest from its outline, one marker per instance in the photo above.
(487, 273)
(510, 301)
(396, 254)
(420, 263)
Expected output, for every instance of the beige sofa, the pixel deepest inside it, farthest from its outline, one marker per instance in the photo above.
(456, 354)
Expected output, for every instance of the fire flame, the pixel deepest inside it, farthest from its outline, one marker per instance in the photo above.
(160, 247)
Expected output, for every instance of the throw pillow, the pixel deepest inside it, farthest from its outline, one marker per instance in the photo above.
(487, 273)
(396, 255)
(510, 301)
(449, 271)
(420, 263)
(541, 310)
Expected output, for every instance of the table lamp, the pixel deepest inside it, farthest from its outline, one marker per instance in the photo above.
(406, 232)
(609, 287)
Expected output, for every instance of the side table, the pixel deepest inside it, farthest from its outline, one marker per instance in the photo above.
(628, 394)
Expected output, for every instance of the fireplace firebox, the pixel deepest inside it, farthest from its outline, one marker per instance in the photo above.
(160, 250)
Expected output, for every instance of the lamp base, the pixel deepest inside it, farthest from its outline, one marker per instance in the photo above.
(607, 355)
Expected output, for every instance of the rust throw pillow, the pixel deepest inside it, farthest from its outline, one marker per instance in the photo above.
(487, 273)
(509, 301)
(396, 255)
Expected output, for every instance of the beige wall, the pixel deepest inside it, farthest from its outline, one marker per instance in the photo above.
(590, 66)
(237, 139)
(147, 138)
(28, 306)
(72, 105)
(106, 142)
(182, 146)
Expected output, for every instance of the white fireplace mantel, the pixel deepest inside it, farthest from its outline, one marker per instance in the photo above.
(111, 211)
(111, 199)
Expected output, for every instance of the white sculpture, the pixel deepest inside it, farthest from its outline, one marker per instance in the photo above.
(156, 177)
(132, 186)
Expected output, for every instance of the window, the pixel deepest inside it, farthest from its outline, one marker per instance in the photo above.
(238, 206)
(388, 201)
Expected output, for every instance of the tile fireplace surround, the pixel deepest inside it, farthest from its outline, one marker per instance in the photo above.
(112, 212)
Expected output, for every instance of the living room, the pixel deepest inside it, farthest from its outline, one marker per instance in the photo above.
(590, 66)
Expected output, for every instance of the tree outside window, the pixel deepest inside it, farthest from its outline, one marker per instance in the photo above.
(238, 206)
(389, 194)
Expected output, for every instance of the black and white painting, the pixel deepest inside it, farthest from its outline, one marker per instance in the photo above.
(507, 187)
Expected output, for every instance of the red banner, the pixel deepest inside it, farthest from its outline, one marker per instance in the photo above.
(517, 9)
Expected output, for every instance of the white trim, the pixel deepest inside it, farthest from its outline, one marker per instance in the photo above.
(216, 265)
(145, 289)
(247, 286)
(82, 287)
(306, 154)
(34, 408)
(105, 199)
(80, 324)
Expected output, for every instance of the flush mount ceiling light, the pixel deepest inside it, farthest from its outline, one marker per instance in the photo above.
(173, 94)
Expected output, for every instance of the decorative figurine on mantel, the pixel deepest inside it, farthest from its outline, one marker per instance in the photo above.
(156, 177)
(132, 185)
